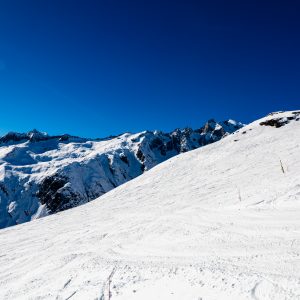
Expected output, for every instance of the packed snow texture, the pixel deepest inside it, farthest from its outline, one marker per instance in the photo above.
(41, 174)
(220, 222)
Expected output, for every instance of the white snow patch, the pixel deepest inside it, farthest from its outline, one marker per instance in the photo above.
(220, 222)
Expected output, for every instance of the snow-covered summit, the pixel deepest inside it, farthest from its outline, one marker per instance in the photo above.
(12, 138)
(33, 135)
(42, 174)
(219, 222)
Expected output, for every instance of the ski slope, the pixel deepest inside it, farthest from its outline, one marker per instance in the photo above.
(42, 174)
(219, 222)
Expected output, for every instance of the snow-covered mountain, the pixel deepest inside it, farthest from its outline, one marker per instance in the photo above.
(41, 174)
(219, 222)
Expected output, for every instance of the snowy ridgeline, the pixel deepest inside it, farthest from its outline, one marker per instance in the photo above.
(41, 174)
(217, 223)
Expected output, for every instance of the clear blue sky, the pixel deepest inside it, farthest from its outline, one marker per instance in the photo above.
(100, 67)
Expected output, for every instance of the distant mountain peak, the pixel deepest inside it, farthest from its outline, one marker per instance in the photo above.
(44, 174)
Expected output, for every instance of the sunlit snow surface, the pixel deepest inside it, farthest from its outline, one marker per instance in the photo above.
(220, 222)
(42, 174)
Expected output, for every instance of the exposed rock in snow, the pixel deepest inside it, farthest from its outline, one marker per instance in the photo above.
(281, 121)
(61, 172)
(33, 136)
(220, 222)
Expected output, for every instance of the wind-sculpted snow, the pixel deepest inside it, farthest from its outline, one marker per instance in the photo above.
(219, 222)
(42, 174)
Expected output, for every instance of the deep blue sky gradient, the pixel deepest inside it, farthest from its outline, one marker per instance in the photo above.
(95, 68)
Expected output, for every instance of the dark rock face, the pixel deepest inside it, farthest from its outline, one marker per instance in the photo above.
(274, 123)
(279, 122)
(124, 159)
(13, 137)
(140, 155)
(3, 189)
(52, 194)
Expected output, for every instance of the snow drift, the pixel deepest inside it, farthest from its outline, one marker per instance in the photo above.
(219, 222)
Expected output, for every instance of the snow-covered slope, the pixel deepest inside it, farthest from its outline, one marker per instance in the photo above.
(220, 222)
(41, 174)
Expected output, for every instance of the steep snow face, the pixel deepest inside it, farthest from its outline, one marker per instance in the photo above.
(42, 174)
(219, 222)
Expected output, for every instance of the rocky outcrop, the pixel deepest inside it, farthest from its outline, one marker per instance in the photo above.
(279, 122)
(34, 136)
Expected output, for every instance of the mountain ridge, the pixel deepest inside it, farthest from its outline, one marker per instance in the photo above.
(42, 174)
(218, 222)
